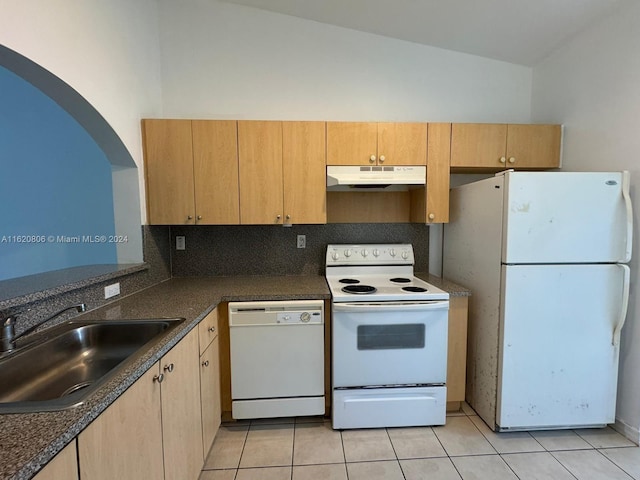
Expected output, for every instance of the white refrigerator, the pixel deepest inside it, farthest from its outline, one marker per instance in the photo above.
(544, 256)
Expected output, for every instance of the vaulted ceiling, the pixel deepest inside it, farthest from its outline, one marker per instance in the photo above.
(517, 31)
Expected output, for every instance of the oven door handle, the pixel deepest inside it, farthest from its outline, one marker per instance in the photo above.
(386, 306)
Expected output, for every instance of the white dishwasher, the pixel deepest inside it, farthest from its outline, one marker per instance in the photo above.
(277, 358)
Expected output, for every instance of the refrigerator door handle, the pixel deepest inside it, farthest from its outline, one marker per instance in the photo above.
(624, 306)
(627, 201)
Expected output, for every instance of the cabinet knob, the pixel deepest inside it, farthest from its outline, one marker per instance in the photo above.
(199, 217)
(278, 217)
(189, 217)
(158, 378)
(288, 217)
(512, 159)
(168, 368)
(382, 159)
(372, 159)
(205, 363)
(503, 159)
(212, 329)
(432, 216)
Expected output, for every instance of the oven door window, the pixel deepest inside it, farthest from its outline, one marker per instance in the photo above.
(391, 337)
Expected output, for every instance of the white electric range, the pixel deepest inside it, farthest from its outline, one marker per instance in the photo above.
(389, 339)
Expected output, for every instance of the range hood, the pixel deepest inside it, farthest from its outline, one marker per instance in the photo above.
(374, 178)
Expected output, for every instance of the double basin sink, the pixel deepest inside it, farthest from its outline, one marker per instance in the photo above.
(64, 364)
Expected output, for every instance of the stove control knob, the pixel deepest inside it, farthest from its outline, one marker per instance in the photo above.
(305, 317)
(335, 255)
(376, 252)
(405, 255)
(392, 252)
(364, 252)
(347, 252)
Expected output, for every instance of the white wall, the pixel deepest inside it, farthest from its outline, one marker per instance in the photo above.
(229, 61)
(592, 86)
(106, 50)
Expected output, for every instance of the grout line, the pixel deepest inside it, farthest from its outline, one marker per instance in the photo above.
(614, 463)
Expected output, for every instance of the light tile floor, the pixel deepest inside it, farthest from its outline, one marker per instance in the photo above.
(465, 448)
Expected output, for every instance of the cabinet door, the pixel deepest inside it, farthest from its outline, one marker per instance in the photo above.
(181, 415)
(402, 143)
(215, 165)
(64, 466)
(480, 145)
(439, 147)
(168, 163)
(304, 172)
(533, 146)
(210, 394)
(125, 441)
(352, 143)
(260, 162)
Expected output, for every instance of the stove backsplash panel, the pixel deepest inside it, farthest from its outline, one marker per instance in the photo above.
(272, 250)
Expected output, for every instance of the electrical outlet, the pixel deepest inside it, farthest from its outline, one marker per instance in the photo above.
(180, 244)
(111, 290)
(302, 241)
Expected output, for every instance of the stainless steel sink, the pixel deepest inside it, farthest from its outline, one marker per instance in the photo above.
(70, 361)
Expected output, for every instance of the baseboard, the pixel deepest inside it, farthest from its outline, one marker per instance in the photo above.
(632, 433)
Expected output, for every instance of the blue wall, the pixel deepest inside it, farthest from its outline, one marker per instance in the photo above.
(54, 182)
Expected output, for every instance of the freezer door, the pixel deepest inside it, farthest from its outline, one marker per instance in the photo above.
(558, 362)
(573, 217)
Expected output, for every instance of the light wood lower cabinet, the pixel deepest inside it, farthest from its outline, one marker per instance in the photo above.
(210, 394)
(209, 378)
(154, 429)
(457, 351)
(181, 416)
(125, 441)
(64, 466)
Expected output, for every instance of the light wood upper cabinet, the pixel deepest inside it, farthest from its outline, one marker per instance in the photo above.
(260, 163)
(215, 166)
(181, 414)
(169, 172)
(282, 172)
(304, 172)
(125, 441)
(64, 466)
(533, 146)
(191, 172)
(431, 204)
(353, 143)
(498, 146)
(402, 143)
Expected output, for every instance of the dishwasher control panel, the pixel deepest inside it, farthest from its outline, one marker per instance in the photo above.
(302, 312)
(299, 317)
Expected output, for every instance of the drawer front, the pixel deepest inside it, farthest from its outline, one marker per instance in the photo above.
(208, 329)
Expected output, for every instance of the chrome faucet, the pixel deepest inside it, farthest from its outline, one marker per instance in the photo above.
(8, 335)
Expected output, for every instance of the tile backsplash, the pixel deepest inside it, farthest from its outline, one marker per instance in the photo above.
(272, 250)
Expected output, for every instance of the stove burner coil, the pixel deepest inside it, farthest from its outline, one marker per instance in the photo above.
(349, 280)
(414, 289)
(400, 280)
(359, 289)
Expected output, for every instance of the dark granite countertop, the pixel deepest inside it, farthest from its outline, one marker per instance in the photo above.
(454, 289)
(28, 441)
